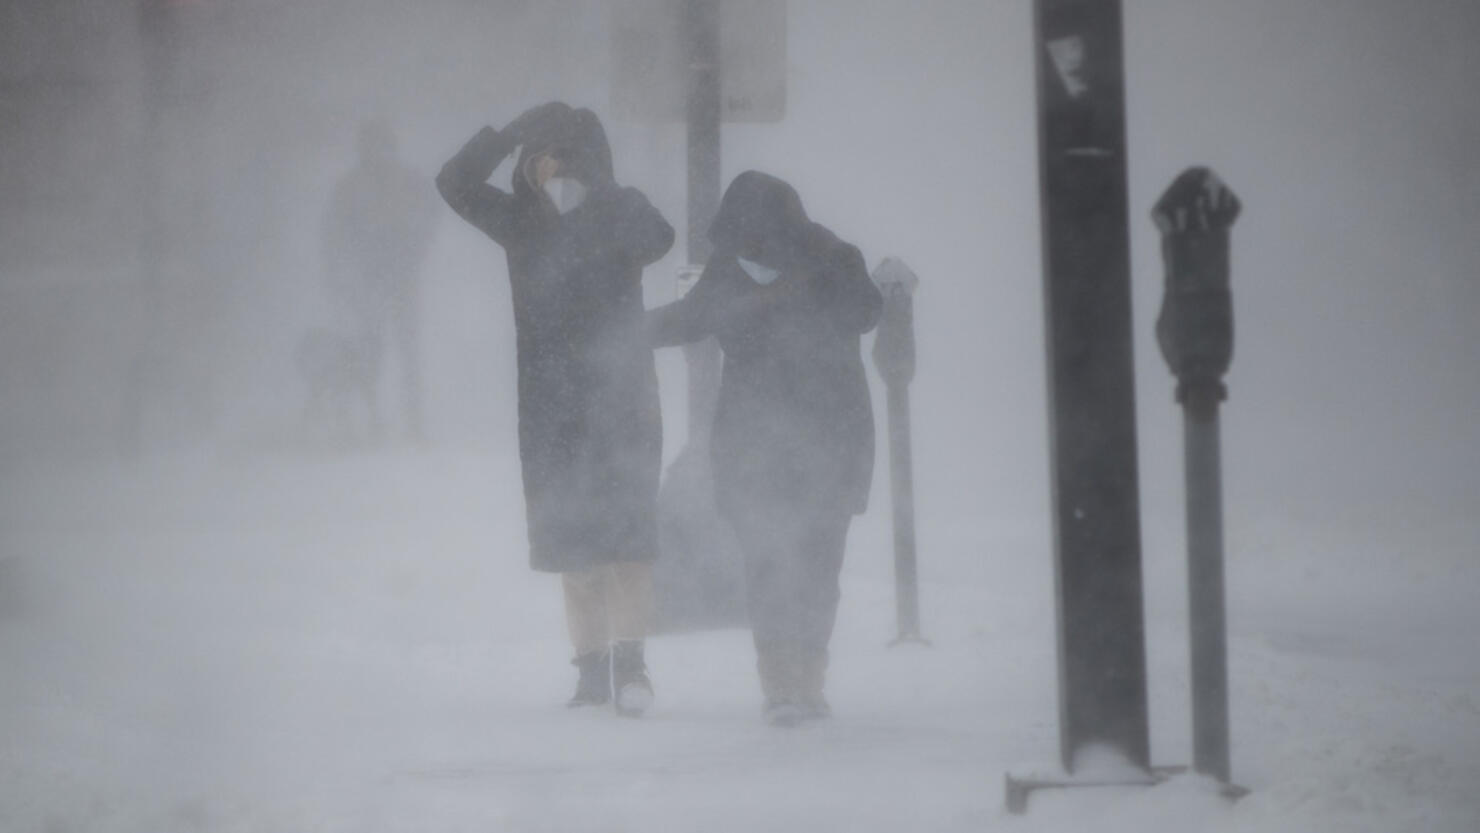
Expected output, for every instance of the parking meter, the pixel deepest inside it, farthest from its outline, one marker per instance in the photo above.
(894, 356)
(1195, 331)
(1195, 327)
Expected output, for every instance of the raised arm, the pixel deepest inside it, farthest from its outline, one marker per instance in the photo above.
(690, 318)
(463, 183)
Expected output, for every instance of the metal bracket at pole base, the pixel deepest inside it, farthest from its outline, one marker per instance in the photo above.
(1019, 787)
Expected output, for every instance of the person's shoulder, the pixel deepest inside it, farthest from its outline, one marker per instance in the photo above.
(823, 244)
(622, 196)
(612, 203)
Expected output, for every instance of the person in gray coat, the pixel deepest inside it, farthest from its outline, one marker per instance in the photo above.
(376, 233)
(793, 436)
(590, 431)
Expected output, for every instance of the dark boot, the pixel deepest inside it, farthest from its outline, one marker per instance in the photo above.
(776, 672)
(792, 679)
(594, 688)
(811, 671)
(633, 689)
(777, 667)
(784, 713)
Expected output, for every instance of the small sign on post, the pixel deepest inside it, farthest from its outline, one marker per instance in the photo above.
(650, 70)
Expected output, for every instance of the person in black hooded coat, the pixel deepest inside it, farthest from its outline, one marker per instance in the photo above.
(793, 436)
(590, 431)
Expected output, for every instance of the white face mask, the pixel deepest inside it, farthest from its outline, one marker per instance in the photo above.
(566, 193)
(762, 275)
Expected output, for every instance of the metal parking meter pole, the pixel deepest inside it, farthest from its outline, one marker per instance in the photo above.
(1209, 649)
(894, 356)
(1195, 333)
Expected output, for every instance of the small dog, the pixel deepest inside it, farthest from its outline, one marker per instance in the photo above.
(339, 369)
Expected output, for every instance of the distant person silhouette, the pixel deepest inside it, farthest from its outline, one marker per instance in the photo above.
(376, 233)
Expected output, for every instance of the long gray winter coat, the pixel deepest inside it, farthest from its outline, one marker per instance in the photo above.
(590, 432)
(793, 424)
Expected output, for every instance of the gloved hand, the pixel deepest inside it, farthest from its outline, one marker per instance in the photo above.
(523, 126)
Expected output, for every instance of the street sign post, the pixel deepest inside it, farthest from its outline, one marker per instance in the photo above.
(1086, 259)
(702, 62)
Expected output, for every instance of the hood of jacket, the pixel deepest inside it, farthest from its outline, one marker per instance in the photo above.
(577, 139)
(761, 218)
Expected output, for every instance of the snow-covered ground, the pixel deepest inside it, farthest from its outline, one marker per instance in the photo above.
(354, 643)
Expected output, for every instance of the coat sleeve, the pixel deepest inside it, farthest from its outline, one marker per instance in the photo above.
(463, 183)
(844, 292)
(691, 318)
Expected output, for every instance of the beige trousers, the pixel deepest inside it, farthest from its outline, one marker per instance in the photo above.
(609, 603)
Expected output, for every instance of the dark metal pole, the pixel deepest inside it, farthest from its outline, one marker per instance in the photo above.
(1086, 257)
(1209, 642)
(701, 43)
(699, 582)
(901, 476)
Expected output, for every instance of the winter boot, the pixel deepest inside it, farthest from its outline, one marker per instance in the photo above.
(784, 714)
(810, 672)
(778, 672)
(776, 669)
(594, 688)
(633, 689)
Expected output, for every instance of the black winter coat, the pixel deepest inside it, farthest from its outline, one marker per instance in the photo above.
(590, 431)
(793, 423)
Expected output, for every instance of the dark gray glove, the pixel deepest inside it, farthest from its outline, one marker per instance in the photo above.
(526, 124)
